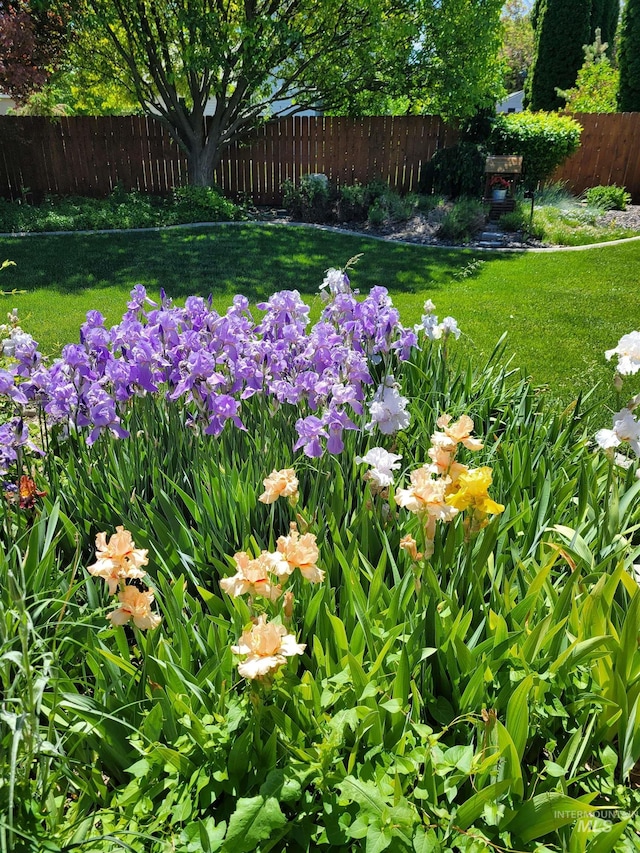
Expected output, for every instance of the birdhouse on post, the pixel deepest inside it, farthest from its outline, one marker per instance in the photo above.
(502, 174)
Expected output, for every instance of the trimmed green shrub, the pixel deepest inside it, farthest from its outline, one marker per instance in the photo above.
(545, 140)
(608, 198)
(459, 170)
(465, 219)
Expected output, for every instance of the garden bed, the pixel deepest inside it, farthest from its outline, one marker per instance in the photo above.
(422, 227)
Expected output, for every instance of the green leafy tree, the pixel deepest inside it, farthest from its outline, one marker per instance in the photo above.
(176, 57)
(561, 29)
(629, 58)
(453, 69)
(72, 90)
(449, 66)
(88, 82)
(597, 83)
(248, 60)
(516, 51)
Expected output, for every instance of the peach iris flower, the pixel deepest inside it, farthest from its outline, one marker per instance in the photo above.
(135, 605)
(252, 576)
(118, 559)
(300, 552)
(266, 646)
(426, 495)
(455, 433)
(409, 544)
(279, 484)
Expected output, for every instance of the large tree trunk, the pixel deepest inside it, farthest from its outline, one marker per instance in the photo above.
(201, 162)
(203, 156)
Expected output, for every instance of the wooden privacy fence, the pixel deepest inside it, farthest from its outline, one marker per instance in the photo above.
(90, 155)
(393, 148)
(609, 153)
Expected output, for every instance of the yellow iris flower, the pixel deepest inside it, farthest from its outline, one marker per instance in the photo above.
(472, 491)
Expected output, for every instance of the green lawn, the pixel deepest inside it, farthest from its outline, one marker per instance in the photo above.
(561, 310)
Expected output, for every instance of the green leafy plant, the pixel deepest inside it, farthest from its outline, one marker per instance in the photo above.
(377, 214)
(595, 89)
(352, 203)
(572, 225)
(485, 696)
(390, 207)
(515, 220)
(610, 197)
(203, 204)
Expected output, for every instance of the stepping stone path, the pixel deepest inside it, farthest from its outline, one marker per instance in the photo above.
(493, 237)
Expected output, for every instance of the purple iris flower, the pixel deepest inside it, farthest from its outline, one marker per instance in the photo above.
(310, 430)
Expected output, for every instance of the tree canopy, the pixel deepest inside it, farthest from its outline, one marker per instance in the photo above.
(32, 37)
(517, 43)
(448, 64)
(243, 61)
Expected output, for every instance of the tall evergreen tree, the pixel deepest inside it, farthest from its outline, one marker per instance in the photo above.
(605, 15)
(629, 58)
(562, 27)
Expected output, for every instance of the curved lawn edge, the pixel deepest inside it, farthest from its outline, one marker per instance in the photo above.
(331, 228)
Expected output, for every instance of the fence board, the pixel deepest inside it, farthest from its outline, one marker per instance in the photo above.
(625, 144)
(632, 171)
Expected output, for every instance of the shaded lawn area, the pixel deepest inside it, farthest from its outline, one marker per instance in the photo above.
(561, 310)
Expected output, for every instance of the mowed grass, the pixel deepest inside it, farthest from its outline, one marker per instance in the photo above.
(560, 310)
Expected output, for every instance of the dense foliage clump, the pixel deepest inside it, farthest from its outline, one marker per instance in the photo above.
(544, 140)
(609, 197)
(120, 210)
(314, 199)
